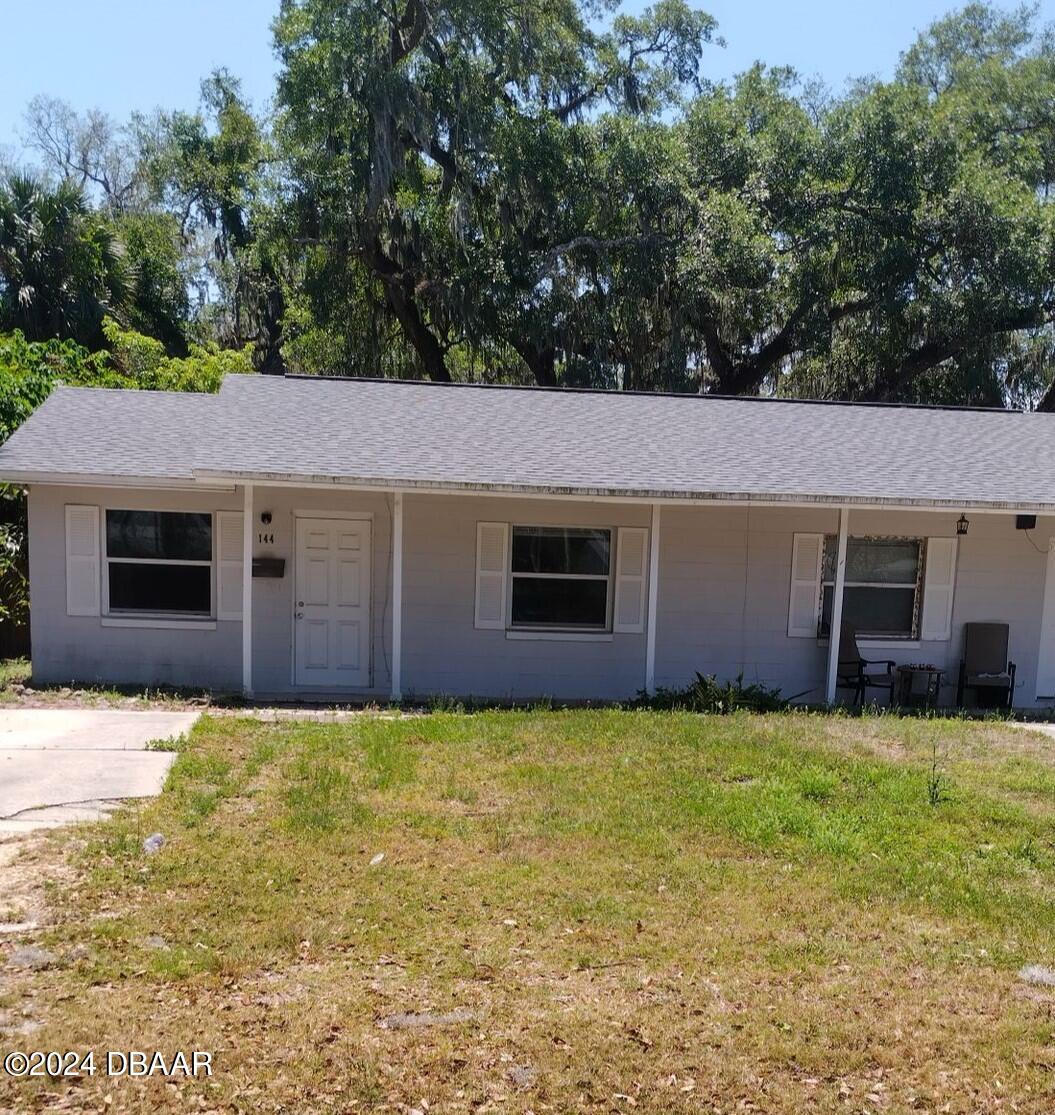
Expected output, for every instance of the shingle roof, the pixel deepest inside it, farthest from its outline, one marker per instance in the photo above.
(92, 431)
(391, 433)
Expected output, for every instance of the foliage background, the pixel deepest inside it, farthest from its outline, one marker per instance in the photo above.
(551, 194)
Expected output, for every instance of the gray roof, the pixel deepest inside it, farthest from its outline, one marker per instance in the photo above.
(81, 432)
(459, 437)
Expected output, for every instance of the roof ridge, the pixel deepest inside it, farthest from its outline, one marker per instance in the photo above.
(136, 391)
(700, 395)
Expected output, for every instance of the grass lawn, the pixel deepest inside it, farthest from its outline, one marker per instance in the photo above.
(598, 911)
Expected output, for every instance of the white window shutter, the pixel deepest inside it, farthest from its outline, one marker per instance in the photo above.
(229, 527)
(938, 583)
(631, 564)
(492, 566)
(82, 560)
(806, 556)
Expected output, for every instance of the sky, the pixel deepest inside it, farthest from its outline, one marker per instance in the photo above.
(120, 55)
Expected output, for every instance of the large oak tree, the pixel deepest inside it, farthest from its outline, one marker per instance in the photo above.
(509, 191)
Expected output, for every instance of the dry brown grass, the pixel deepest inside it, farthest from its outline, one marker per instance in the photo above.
(641, 912)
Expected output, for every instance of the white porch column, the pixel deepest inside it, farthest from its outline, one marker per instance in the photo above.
(653, 599)
(835, 629)
(247, 591)
(397, 597)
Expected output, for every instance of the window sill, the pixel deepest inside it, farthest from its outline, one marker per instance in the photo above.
(528, 634)
(159, 623)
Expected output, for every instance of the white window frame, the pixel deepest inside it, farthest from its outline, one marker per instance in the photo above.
(539, 631)
(917, 604)
(134, 617)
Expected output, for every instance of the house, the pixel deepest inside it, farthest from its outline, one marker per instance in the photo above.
(304, 537)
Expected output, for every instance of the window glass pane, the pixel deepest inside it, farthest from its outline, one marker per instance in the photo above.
(551, 602)
(883, 561)
(560, 550)
(160, 588)
(176, 535)
(873, 611)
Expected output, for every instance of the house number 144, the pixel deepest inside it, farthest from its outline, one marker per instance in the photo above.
(266, 538)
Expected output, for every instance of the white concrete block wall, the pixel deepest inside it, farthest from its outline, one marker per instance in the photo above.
(723, 598)
(715, 561)
(80, 648)
(442, 650)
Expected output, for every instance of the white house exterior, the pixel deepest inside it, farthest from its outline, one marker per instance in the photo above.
(417, 539)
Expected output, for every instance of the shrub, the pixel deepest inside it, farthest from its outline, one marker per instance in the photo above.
(144, 363)
(707, 694)
(28, 372)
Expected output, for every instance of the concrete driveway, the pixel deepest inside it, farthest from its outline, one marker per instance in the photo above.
(62, 765)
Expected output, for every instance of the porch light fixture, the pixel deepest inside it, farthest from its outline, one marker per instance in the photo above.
(962, 524)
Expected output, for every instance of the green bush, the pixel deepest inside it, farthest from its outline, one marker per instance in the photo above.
(142, 362)
(28, 372)
(30, 369)
(707, 694)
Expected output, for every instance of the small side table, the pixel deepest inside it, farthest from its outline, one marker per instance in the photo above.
(919, 686)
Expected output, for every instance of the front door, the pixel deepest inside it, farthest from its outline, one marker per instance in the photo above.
(332, 603)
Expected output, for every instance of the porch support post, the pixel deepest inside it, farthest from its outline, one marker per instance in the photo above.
(247, 591)
(397, 597)
(835, 629)
(653, 600)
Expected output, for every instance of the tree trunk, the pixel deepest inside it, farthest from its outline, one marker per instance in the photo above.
(418, 333)
(402, 304)
(541, 361)
(269, 343)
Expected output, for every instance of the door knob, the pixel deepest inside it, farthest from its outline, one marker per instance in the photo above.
(300, 615)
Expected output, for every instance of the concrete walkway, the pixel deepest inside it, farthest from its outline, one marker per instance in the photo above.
(62, 765)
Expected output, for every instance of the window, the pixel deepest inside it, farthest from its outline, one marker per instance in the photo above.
(159, 562)
(883, 582)
(560, 577)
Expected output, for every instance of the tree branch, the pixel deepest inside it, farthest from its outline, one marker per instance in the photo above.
(938, 349)
(400, 297)
(565, 111)
(406, 34)
(597, 244)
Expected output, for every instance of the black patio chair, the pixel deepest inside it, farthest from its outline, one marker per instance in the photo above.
(985, 667)
(856, 672)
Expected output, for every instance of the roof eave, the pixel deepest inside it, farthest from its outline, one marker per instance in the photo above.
(227, 479)
(108, 480)
(623, 495)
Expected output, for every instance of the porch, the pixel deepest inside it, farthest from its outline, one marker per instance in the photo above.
(727, 589)
(376, 594)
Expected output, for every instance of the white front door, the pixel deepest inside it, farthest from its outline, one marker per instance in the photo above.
(332, 603)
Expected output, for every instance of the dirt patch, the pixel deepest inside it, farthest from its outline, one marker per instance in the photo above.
(28, 865)
(869, 735)
(18, 695)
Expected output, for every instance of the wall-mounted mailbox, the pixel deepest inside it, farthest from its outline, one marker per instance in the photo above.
(269, 567)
